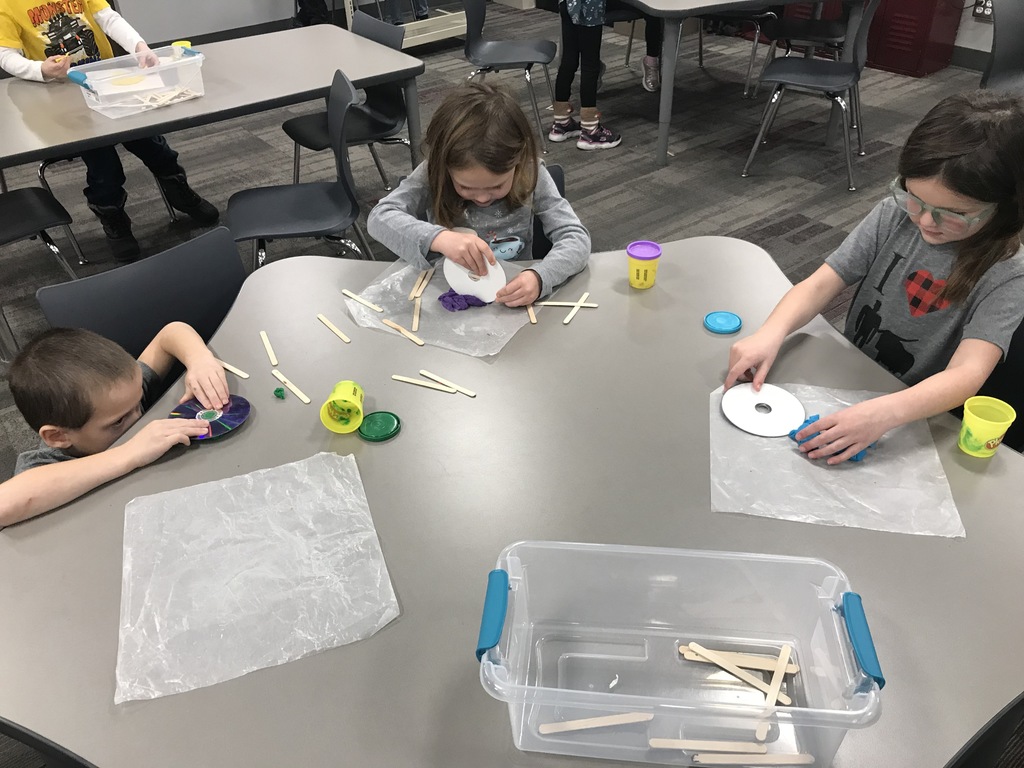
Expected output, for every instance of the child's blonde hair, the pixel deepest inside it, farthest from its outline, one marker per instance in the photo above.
(478, 125)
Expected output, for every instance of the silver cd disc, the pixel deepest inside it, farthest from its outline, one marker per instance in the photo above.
(772, 412)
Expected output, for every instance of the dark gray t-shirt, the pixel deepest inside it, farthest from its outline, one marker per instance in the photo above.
(896, 317)
(44, 454)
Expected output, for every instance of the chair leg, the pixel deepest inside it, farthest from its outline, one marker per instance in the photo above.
(48, 242)
(3, 182)
(482, 72)
(8, 344)
(380, 166)
(259, 253)
(536, 111)
(170, 211)
(753, 58)
(551, 88)
(400, 140)
(41, 173)
(82, 261)
(700, 43)
(364, 244)
(768, 59)
(629, 43)
(858, 118)
(766, 120)
(845, 112)
(296, 163)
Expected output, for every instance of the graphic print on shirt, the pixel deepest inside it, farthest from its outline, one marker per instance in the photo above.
(64, 31)
(505, 248)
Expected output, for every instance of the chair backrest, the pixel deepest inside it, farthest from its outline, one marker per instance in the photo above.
(342, 97)
(365, 25)
(1005, 384)
(860, 42)
(387, 99)
(541, 243)
(992, 746)
(195, 282)
(1007, 59)
(54, 754)
(476, 10)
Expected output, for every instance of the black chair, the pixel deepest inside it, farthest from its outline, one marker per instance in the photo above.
(1005, 69)
(26, 213)
(832, 79)
(377, 120)
(496, 55)
(310, 209)
(1006, 383)
(54, 754)
(541, 243)
(754, 17)
(999, 744)
(195, 282)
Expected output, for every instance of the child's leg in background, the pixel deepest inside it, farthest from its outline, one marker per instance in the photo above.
(104, 192)
(564, 126)
(394, 11)
(654, 33)
(162, 161)
(421, 9)
(593, 135)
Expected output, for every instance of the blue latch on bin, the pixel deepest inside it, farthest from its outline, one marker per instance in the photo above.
(495, 605)
(860, 637)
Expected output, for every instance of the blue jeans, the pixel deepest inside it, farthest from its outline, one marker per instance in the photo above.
(420, 8)
(104, 175)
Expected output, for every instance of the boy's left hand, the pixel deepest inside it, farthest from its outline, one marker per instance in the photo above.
(520, 291)
(145, 56)
(206, 382)
(845, 433)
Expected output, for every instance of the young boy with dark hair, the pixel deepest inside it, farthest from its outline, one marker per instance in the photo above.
(81, 392)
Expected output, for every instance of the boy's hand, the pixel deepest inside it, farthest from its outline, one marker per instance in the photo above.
(465, 249)
(205, 381)
(847, 432)
(521, 290)
(757, 351)
(56, 67)
(145, 56)
(157, 437)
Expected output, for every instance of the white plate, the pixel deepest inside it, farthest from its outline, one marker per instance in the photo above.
(469, 283)
(772, 412)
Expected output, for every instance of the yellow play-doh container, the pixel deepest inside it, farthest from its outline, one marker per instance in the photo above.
(343, 411)
(986, 420)
(643, 256)
(177, 48)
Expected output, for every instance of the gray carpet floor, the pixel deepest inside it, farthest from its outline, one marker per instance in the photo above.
(795, 204)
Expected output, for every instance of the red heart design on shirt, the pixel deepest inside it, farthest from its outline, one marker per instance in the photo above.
(923, 291)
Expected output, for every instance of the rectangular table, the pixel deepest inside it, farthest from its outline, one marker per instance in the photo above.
(39, 121)
(596, 431)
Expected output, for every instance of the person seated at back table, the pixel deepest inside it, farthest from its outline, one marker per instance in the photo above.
(81, 392)
(42, 41)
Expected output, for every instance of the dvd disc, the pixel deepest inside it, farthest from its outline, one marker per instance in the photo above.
(222, 420)
(772, 412)
(467, 283)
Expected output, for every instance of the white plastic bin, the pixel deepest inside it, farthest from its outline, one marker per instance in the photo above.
(119, 87)
(578, 631)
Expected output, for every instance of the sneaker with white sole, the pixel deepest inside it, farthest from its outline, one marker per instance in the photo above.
(651, 80)
(561, 131)
(598, 138)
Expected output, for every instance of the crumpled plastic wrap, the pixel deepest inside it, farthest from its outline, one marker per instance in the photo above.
(228, 577)
(900, 486)
(478, 332)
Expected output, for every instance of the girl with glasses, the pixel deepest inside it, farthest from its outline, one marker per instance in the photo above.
(939, 269)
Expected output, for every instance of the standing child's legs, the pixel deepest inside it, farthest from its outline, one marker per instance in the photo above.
(654, 33)
(564, 126)
(593, 135)
(162, 161)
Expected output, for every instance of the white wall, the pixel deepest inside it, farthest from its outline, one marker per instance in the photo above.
(175, 19)
(975, 34)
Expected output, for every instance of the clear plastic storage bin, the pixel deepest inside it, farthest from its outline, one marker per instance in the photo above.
(579, 631)
(119, 87)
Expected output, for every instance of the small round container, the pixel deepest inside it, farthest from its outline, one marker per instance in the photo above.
(986, 420)
(644, 256)
(343, 410)
(380, 426)
(722, 322)
(177, 48)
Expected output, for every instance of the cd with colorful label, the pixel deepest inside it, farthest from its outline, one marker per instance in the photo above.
(222, 420)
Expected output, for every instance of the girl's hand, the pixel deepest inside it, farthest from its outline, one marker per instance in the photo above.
(758, 352)
(846, 433)
(56, 67)
(205, 381)
(522, 290)
(145, 56)
(465, 249)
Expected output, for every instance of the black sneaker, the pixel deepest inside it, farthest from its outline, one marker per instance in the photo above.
(598, 138)
(117, 226)
(185, 199)
(562, 131)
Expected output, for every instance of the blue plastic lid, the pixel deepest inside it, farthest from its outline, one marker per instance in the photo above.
(722, 322)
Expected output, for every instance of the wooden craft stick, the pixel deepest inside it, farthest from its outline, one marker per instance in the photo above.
(695, 745)
(408, 334)
(231, 369)
(741, 660)
(416, 314)
(773, 689)
(531, 313)
(456, 387)
(417, 284)
(361, 300)
(270, 349)
(334, 329)
(575, 309)
(588, 305)
(426, 282)
(427, 384)
(735, 671)
(595, 722)
(792, 758)
(295, 390)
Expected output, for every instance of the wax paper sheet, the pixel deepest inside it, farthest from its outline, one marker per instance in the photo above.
(900, 485)
(478, 331)
(228, 577)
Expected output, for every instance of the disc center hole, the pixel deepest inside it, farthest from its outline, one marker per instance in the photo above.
(763, 408)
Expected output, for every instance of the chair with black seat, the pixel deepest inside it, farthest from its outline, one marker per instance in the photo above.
(27, 213)
(1005, 69)
(541, 243)
(1006, 383)
(496, 55)
(755, 17)
(309, 209)
(378, 120)
(831, 79)
(54, 755)
(130, 304)
(1000, 742)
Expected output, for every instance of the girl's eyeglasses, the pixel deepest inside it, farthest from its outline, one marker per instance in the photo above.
(952, 222)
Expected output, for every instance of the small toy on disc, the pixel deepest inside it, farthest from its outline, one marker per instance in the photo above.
(772, 412)
(222, 420)
(722, 322)
(859, 456)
